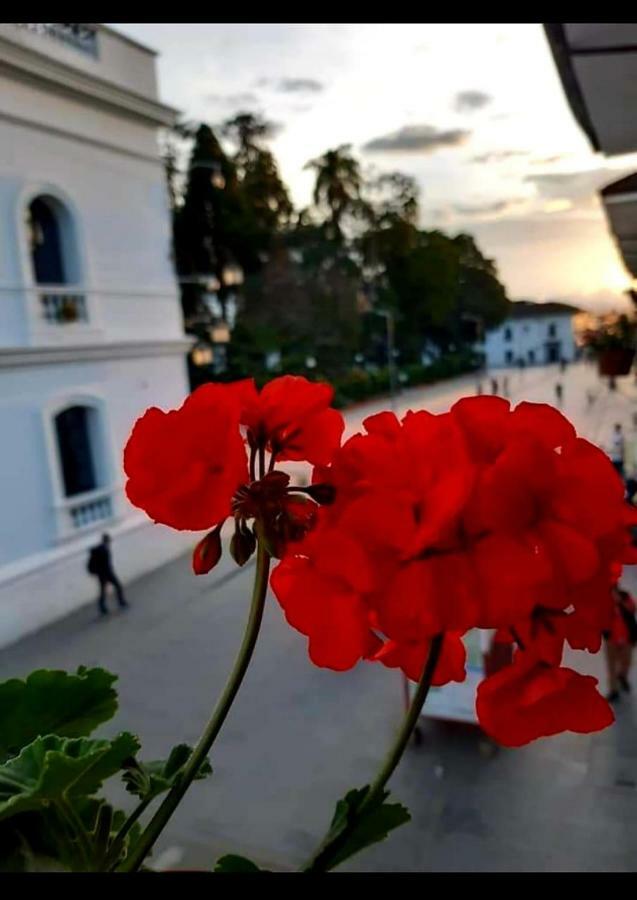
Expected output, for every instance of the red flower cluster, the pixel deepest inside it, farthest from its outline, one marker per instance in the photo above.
(188, 468)
(483, 517)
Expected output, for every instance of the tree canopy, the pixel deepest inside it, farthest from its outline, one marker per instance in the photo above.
(313, 279)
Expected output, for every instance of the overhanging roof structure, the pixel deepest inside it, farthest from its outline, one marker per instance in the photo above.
(620, 203)
(597, 64)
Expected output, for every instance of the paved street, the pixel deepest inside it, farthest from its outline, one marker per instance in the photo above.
(298, 736)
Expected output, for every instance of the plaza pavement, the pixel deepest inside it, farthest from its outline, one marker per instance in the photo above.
(298, 737)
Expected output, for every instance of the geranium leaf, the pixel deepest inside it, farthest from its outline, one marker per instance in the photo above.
(53, 769)
(354, 828)
(54, 702)
(149, 779)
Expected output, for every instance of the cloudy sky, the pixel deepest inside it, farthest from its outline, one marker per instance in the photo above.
(475, 112)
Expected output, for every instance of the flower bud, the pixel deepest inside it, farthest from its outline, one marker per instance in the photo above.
(243, 544)
(207, 553)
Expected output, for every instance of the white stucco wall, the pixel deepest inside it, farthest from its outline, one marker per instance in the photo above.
(29, 395)
(103, 166)
(529, 337)
(119, 208)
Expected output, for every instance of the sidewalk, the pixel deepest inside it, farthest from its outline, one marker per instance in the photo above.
(298, 737)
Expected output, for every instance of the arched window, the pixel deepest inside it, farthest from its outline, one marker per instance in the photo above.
(46, 241)
(552, 329)
(55, 260)
(76, 430)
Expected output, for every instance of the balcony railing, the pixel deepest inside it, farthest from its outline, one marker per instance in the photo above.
(60, 306)
(86, 511)
(75, 34)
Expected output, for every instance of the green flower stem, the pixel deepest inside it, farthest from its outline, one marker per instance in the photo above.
(321, 859)
(212, 729)
(112, 857)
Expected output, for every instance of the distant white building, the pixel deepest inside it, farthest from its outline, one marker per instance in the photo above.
(533, 334)
(90, 322)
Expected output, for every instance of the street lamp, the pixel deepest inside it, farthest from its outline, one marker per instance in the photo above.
(391, 353)
(365, 305)
(201, 354)
(232, 275)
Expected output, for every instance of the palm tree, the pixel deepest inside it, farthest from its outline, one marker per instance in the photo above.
(338, 184)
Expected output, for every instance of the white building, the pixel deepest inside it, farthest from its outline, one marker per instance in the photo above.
(90, 323)
(533, 334)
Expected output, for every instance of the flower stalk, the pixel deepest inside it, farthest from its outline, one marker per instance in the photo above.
(321, 861)
(212, 729)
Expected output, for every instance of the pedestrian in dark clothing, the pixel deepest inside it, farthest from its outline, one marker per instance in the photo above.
(558, 393)
(494, 386)
(100, 564)
(618, 449)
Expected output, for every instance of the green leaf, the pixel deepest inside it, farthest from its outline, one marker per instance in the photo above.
(353, 829)
(148, 780)
(232, 863)
(39, 842)
(54, 769)
(54, 702)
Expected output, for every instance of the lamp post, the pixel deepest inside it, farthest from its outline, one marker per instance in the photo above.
(365, 306)
(391, 355)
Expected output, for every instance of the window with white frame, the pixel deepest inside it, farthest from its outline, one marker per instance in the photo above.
(83, 467)
(55, 260)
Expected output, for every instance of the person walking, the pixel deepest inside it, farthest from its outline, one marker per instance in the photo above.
(619, 642)
(505, 386)
(494, 386)
(100, 564)
(617, 449)
(479, 389)
(559, 393)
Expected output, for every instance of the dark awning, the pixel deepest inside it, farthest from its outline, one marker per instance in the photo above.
(597, 64)
(620, 203)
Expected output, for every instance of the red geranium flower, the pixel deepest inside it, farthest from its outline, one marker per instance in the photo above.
(411, 658)
(483, 517)
(184, 466)
(321, 594)
(291, 417)
(530, 699)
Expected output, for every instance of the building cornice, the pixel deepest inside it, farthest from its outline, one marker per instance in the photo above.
(79, 138)
(36, 68)
(17, 357)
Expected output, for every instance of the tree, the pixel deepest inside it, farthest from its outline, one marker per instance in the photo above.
(265, 196)
(337, 187)
(481, 297)
(210, 232)
(247, 131)
(391, 197)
